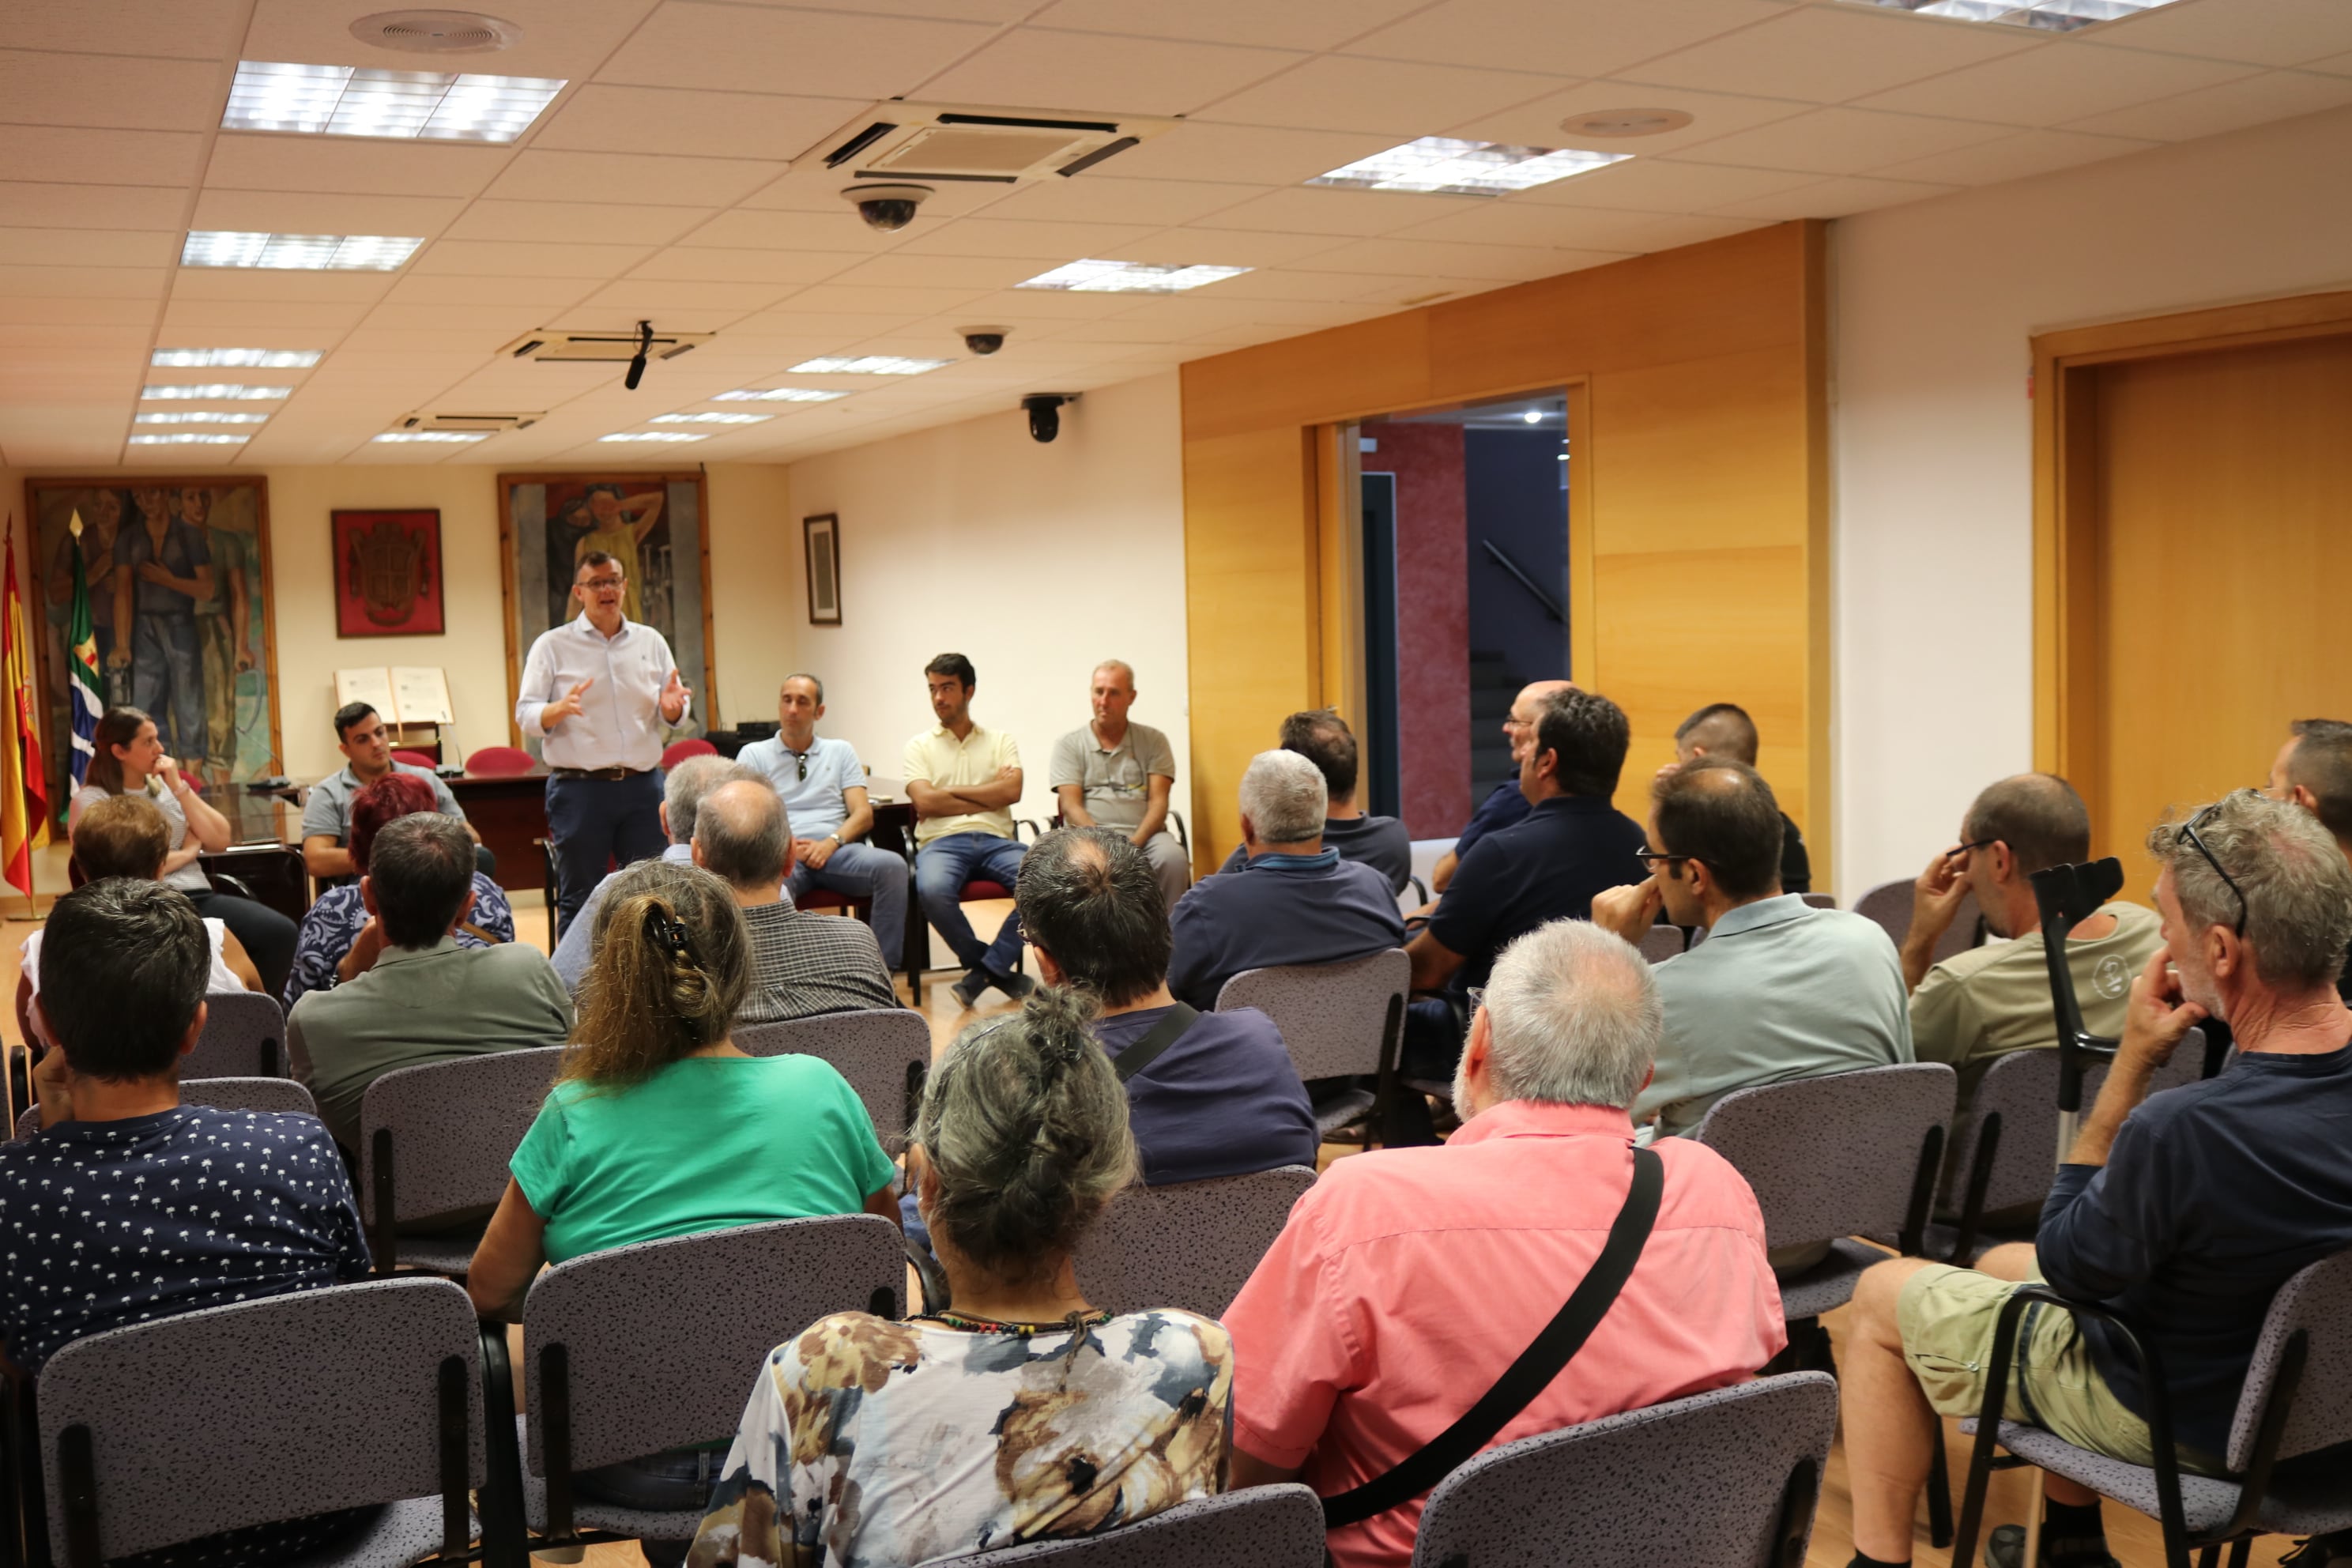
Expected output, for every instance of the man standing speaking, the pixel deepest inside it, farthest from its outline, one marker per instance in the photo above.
(591, 691)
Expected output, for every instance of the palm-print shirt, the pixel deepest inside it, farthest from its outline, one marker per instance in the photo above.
(335, 921)
(868, 1442)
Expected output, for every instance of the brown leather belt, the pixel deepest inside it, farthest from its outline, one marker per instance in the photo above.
(612, 772)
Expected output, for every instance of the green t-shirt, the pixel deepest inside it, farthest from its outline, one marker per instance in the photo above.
(706, 1143)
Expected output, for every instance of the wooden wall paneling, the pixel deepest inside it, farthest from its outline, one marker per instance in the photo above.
(1340, 570)
(1820, 649)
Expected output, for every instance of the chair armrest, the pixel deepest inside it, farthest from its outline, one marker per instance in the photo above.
(1176, 820)
(229, 882)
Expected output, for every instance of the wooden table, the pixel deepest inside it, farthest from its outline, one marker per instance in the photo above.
(509, 811)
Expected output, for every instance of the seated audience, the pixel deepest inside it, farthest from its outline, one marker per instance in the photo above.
(1323, 737)
(658, 1126)
(366, 745)
(1116, 773)
(1407, 1281)
(802, 964)
(963, 780)
(1504, 804)
(424, 997)
(337, 942)
(1978, 1005)
(1724, 731)
(2314, 770)
(127, 961)
(125, 835)
(682, 791)
(1778, 990)
(1019, 1413)
(823, 786)
(1294, 900)
(2183, 1212)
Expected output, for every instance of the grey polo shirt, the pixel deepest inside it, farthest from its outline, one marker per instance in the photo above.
(1777, 991)
(1116, 782)
(327, 809)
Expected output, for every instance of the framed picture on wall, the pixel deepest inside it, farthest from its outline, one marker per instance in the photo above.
(387, 574)
(656, 525)
(821, 535)
(177, 574)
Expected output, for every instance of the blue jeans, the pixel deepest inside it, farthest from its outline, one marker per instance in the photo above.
(941, 868)
(167, 679)
(593, 821)
(862, 871)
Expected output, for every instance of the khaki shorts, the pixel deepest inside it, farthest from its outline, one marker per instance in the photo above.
(1947, 1317)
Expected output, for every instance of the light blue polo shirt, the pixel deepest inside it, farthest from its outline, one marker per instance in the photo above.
(815, 805)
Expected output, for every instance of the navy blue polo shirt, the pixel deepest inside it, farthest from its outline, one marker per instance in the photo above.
(1503, 807)
(1278, 909)
(1222, 1102)
(1380, 842)
(1546, 868)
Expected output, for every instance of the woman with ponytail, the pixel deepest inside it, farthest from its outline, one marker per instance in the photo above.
(1019, 1412)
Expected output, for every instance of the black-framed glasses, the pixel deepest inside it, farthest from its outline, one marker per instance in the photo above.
(1959, 849)
(2189, 831)
(1652, 859)
(1478, 996)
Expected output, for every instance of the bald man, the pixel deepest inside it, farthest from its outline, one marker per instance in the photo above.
(2314, 770)
(802, 964)
(1724, 731)
(1505, 805)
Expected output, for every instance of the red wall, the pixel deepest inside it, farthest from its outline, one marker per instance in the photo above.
(1432, 621)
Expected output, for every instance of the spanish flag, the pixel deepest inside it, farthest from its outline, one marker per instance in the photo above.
(24, 787)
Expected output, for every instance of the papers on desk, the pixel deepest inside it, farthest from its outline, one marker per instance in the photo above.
(403, 694)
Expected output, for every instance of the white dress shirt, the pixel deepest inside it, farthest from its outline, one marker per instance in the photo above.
(620, 722)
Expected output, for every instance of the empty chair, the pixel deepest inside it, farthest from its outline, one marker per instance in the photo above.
(269, 1094)
(493, 762)
(1723, 1480)
(1337, 1020)
(434, 1141)
(244, 1037)
(415, 759)
(677, 752)
(283, 1408)
(1264, 1527)
(884, 1053)
(1662, 941)
(597, 1395)
(1187, 1243)
(1889, 904)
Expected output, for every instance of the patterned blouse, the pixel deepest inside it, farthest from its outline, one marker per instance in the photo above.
(335, 921)
(868, 1442)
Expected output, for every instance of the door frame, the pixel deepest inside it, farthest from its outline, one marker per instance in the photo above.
(2068, 678)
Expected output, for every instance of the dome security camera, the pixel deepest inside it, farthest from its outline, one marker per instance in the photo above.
(887, 208)
(983, 340)
(1045, 411)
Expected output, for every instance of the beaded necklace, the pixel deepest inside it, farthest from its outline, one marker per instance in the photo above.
(1072, 1324)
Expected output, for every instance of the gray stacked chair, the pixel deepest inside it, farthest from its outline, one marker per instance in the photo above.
(1723, 1480)
(280, 1408)
(2296, 1402)
(1819, 901)
(1889, 904)
(244, 1037)
(714, 1304)
(1189, 1244)
(1264, 1527)
(883, 1052)
(1338, 1020)
(434, 1141)
(264, 1094)
(1662, 941)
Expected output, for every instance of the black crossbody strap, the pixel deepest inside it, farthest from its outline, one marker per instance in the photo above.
(1164, 1034)
(1532, 1373)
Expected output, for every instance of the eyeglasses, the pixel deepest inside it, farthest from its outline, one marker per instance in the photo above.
(1959, 849)
(2189, 831)
(801, 758)
(600, 584)
(1652, 858)
(1478, 994)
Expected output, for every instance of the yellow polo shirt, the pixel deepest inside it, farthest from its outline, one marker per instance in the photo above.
(938, 758)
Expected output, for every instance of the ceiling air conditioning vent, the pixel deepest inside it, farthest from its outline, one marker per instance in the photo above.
(436, 32)
(485, 422)
(944, 142)
(598, 347)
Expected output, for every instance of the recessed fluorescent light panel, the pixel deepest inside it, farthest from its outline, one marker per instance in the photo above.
(242, 359)
(202, 416)
(215, 392)
(189, 438)
(298, 252)
(1444, 165)
(2049, 16)
(653, 436)
(440, 436)
(780, 394)
(868, 365)
(1129, 278)
(710, 418)
(342, 100)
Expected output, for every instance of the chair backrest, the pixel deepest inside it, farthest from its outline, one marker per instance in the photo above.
(415, 759)
(1819, 901)
(1334, 1018)
(677, 752)
(1721, 1480)
(244, 1037)
(452, 1127)
(1189, 1244)
(1262, 1526)
(2316, 1304)
(265, 1410)
(491, 761)
(1661, 942)
(1837, 1155)
(659, 1343)
(1889, 904)
(883, 1052)
(268, 1094)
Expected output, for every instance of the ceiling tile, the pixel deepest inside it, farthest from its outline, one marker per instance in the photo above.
(88, 248)
(558, 37)
(505, 321)
(1245, 155)
(265, 287)
(363, 342)
(102, 157)
(558, 222)
(941, 271)
(2260, 32)
(818, 189)
(2062, 81)
(2251, 101)
(1102, 198)
(186, 29)
(875, 301)
(317, 211)
(84, 312)
(1568, 40)
(599, 118)
(541, 293)
(1665, 232)
(993, 236)
(2337, 65)
(516, 258)
(535, 176)
(1828, 54)
(1229, 248)
(1836, 198)
(81, 282)
(840, 229)
(1294, 283)
(639, 294)
(821, 53)
(1293, 24)
(1095, 72)
(1318, 210)
(1391, 97)
(110, 90)
(203, 315)
(1529, 223)
(832, 327)
(40, 206)
(1663, 185)
(1713, 114)
(1042, 305)
(343, 165)
(1842, 142)
(1434, 258)
(2017, 157)
(704, 265)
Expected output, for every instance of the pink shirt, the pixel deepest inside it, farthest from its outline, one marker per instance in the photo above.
(1407, 1280)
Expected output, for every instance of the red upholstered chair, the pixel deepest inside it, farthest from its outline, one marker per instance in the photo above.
(415, 759)
(495, 761)
(918, 930)
(692, 746)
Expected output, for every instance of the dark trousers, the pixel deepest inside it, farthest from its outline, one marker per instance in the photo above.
(598, 821)
(266, 935)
